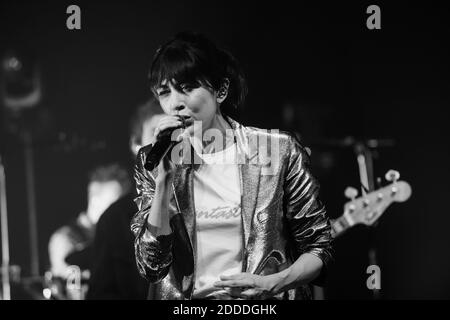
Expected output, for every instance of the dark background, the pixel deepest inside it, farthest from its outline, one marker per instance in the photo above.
(342, 79)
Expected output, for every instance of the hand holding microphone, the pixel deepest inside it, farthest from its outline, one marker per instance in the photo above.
(164, 143)
(157, 157)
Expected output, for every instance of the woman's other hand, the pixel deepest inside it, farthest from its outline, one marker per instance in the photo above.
(248, 285)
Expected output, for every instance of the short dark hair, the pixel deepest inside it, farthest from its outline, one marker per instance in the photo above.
(190, 57)
(143, 112)
(112, 172)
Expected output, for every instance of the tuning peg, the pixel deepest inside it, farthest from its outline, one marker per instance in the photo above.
(392, 176)
(351, 193)
(378, 181)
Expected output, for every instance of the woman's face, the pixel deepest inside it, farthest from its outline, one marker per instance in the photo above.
(199, 102)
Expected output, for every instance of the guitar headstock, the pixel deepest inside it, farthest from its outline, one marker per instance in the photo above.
(367, 209)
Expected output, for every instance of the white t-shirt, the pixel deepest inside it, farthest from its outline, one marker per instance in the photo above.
(217, 197)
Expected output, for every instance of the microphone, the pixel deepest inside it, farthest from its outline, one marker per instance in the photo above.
(162, 145)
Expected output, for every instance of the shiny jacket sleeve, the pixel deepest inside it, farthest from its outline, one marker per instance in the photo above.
(153, 254)
(306, 215)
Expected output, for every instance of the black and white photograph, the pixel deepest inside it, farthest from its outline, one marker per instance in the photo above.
(224, 150)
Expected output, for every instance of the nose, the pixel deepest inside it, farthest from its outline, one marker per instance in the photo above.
(176, 102)
(178, 108)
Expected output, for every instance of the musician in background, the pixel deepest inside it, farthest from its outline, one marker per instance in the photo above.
(72, 241)
(115, 275)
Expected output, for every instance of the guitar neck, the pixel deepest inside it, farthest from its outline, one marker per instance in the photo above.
(369, 208)
(339, 226)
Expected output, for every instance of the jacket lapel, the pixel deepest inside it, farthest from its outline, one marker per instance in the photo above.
(184, 197)
(183, 184)
(250, 172)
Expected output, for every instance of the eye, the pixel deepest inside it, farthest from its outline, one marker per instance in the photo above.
(162, 92)
(188, 87)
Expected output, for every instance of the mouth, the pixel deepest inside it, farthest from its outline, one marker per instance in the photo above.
(187, 120)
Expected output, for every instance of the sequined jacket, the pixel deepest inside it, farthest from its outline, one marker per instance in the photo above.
(282, 215)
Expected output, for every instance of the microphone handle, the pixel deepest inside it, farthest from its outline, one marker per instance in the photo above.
(160, 148)
(157, 153)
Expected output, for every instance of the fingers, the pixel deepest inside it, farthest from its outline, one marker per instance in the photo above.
(244, 293)
(168, 122)
(241, 279)
(235, 283)
(166, 126)
(234, 292)
(250, 294)
(243, 285)
(240, 275)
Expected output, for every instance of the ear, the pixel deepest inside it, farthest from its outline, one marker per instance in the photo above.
(223, 91)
